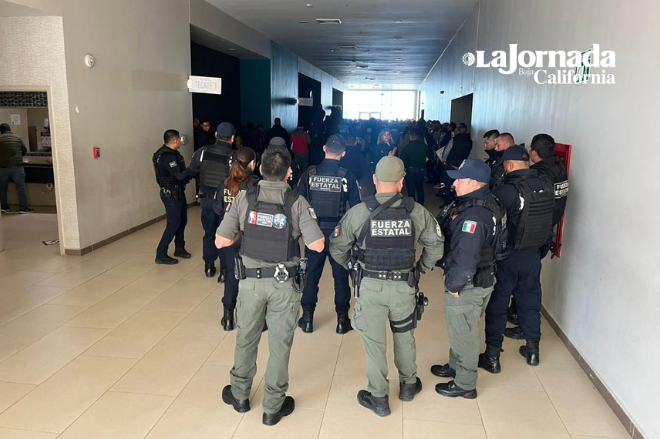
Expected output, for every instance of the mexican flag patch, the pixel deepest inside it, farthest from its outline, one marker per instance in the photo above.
(469, 226)
(337, 232)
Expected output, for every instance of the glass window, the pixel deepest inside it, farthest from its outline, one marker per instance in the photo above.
(380, 104)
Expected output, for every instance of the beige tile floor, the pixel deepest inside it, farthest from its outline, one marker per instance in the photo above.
(110, 345)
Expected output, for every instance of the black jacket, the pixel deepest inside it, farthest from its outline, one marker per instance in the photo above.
(467, 234)
(12, 150)
(496, 171)
(556, 171)
(493, 157)
(460, 151)
(277, 131)
(355, 162)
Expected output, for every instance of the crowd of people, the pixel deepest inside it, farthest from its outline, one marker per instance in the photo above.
(339, 189)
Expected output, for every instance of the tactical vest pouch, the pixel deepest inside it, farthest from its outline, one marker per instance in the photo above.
(535, 224)
(214, 168)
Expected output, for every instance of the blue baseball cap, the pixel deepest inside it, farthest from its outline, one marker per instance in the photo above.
(516, 153)
(225, 129)
(473, 169)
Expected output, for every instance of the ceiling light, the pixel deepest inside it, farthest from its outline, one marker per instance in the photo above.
(302, 22)
(398, 67)
(398, 21)
(309, 5)
(358, 67)
(328, 21)
(398, 59)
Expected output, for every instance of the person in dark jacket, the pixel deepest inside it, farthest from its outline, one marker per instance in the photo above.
(455, 153)
(414, 157)
(489, 146)
(503, 142)
(12, 150)
(358, 165)
(277, 131)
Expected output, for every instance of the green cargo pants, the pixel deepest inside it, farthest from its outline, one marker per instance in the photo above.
(379, 301)
(462, 315)
(278, 304)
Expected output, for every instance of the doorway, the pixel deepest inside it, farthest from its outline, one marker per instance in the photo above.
(28, 227)
(461, 111)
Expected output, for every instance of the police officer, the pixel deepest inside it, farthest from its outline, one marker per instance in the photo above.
(502, 142)
(328, 187)
(379, 238)
(529, 203)
(271, 218)
(489, 146)
(542, 155)
(212, 164)
(474, 227)
(172, 177)
(241, 177)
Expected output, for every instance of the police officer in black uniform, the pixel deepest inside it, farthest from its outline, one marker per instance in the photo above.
(542, 154)
(328, 187)
(212, 164)
(503, 142)
(172, 177)
(489, 146)
(529, 202)
(474, 227)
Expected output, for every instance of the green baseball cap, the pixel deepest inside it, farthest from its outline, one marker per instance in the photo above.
(390, 169)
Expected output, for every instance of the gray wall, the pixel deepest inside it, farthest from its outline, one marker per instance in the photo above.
(284, 86)
(135, 92)
(603, 291)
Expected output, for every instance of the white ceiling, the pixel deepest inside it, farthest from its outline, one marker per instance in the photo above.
(426, 29)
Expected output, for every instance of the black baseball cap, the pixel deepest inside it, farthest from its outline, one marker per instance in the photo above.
(473, 169)
(225, 129)
(516, 153)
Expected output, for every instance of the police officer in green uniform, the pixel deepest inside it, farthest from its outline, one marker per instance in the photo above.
(378, 238)
(474, 227)
(271, 218)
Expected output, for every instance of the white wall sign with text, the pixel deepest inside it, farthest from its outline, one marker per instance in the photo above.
(205, 84)
(15, 119)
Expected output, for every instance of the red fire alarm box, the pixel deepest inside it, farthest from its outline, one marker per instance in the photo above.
(563, 155)
(96, 152)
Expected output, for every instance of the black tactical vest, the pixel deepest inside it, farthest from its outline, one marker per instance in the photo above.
(166, 180)
(556, 171)
(327, 192)
(268, 232)
(535, 223)
(389, 244)
(214, 166)
(495, 248)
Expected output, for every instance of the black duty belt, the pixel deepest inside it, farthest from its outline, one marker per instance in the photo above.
(260, 273)
(205, 195)
(388, 275)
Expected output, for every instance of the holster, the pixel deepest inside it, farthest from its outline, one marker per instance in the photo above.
(301, 277)
(484, 277)
(356, 275)
(239, 268)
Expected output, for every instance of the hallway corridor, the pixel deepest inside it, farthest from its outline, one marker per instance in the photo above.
(110, 345)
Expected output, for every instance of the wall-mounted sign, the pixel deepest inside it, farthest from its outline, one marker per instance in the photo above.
(15, 119)
(205, 84)
(305, 102)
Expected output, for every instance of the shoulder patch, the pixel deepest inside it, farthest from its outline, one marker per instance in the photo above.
(469, 226)
(173, 164)
(438, 230)
(337, 232)
(312, 213)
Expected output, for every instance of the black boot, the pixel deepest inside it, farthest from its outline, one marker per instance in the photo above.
(227, 320)
(380, 406)
(451, 390)
(514, 333)
(343, 324)
(407, 392)
(306, 322)
(229, 399)
(490, 360)
(531, 352)
(444, 371)
(288, 406)
(209, 269)
(166, 260)
(182, 253)
(223, 275)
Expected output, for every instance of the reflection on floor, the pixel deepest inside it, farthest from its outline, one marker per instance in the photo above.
(24, 236)
(110, 345)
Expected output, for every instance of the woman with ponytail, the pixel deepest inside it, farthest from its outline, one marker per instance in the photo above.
(241, 176)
